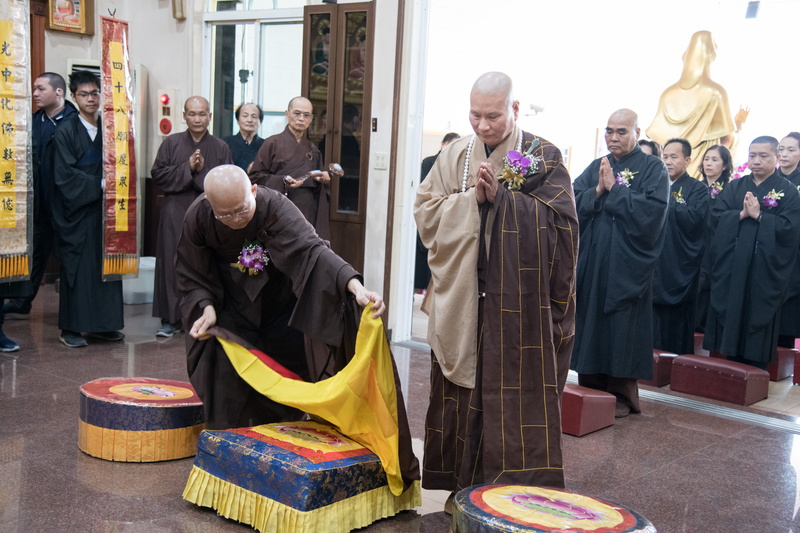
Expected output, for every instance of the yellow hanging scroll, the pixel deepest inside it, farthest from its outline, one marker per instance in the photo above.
(120, 250)
(16, 192)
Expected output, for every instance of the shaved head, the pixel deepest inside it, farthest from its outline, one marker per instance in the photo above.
(493, 111)
(298, 100)
(230, 193)
(494, 83)
(195, 101)
(627, 116)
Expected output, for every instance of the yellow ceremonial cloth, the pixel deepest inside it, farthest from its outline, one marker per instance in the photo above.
(360, 400)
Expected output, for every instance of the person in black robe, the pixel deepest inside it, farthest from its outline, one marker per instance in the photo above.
(422, 272)
(86, 302)
(622, 203)
(181, 165)
(678, 267)
(289, 163)
(245, 144)
(49, 92)
(716, 171)
(757, 233)
(789, 168)
(304, 291)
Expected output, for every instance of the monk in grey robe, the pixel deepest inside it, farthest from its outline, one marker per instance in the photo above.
(181, 165)
(502, 258)
(289, 163)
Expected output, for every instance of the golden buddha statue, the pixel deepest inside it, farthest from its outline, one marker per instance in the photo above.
(696, 108)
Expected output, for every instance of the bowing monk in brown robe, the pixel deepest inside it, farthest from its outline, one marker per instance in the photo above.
(181, 165)
(298, 290)
(502, 299)
(289, 163)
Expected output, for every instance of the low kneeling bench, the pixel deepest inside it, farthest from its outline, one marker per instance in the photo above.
(719, 379)
(584, 410)
(662, 369)
(293, 477)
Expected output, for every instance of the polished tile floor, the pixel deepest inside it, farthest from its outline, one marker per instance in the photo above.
(687, 465)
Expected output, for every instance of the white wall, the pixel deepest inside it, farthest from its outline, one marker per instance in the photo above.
(170, 50)
(380, 141)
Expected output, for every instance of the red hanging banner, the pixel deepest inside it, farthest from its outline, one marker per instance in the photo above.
(120, 254)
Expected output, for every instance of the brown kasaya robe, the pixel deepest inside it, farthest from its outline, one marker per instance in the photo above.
(280, 156)
(181, 186)
(301, 295)
(506, 428)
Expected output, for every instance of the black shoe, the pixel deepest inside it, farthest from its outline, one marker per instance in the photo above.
(13, 311)
(108, 336)
(621, 411)
(72, 339)
(6, 344)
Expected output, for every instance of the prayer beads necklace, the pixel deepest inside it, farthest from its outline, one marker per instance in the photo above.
(469, 153)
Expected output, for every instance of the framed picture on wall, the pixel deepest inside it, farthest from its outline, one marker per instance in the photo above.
(76, 16)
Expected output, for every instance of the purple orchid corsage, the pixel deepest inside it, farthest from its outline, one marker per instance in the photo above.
(519, 166)
(252, 259)
(625, 177)
(715, 189)
(771, 198)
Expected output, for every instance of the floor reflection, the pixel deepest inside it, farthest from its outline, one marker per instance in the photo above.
(684, 470)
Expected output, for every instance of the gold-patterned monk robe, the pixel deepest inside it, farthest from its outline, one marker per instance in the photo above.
(16, 183)
(120, 254)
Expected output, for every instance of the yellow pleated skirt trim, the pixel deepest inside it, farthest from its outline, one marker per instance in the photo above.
(138, 446)
(266, 515)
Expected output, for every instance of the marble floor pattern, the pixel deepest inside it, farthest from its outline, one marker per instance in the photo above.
(686, 470)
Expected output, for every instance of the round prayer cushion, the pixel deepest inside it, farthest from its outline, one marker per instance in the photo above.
(519, 508)
(139, 419)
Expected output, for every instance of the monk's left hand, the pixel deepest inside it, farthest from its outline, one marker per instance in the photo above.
(364, 297)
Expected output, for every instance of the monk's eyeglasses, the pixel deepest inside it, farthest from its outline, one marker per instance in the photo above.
(238, 214)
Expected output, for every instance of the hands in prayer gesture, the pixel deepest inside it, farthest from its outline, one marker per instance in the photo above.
(606, 178)
(751, 207)
(486, 188)
(196, 161)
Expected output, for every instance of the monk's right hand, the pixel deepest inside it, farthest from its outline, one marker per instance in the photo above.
(201, 325)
